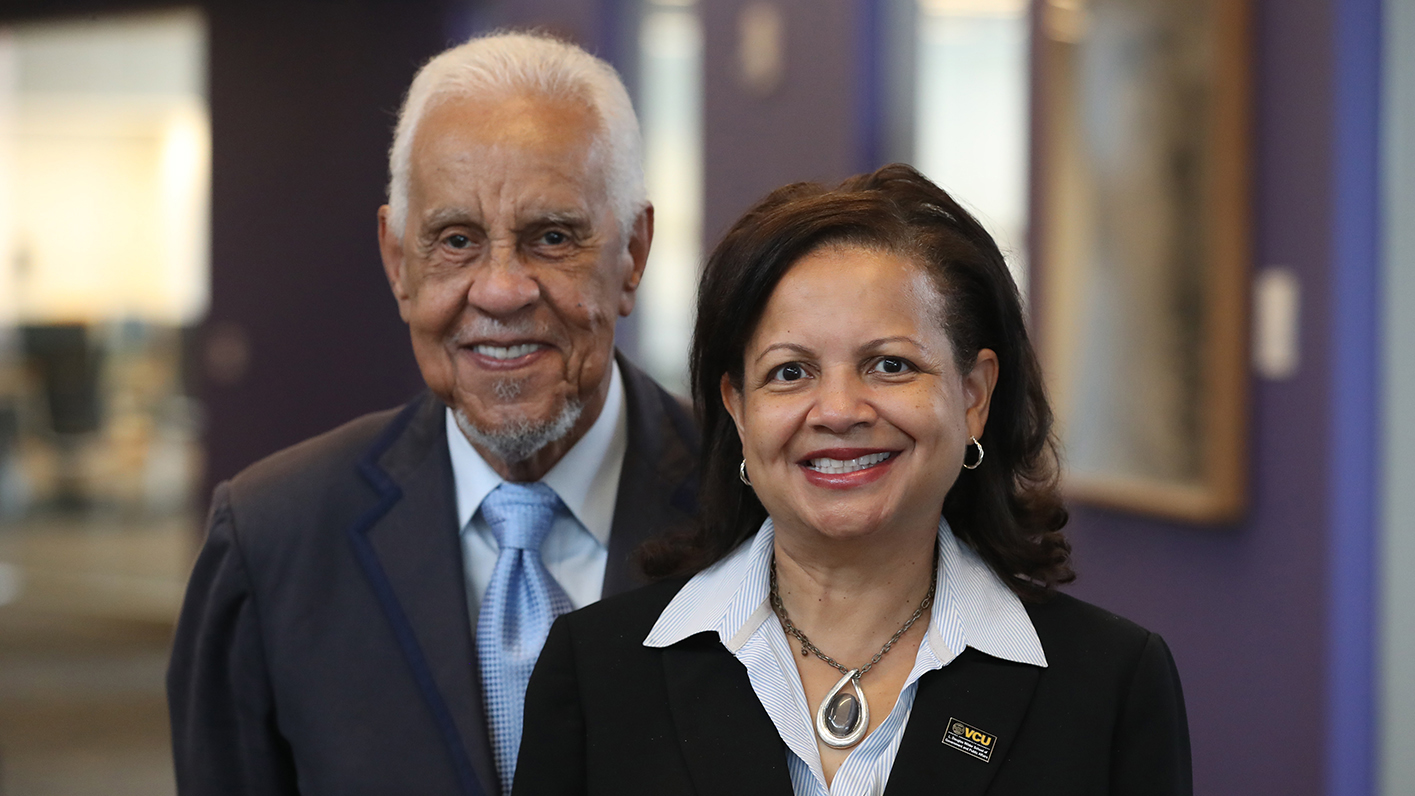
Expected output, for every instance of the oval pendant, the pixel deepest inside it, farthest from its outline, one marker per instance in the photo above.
(843, 717)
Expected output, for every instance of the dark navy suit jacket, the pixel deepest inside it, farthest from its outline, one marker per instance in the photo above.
(325, 644)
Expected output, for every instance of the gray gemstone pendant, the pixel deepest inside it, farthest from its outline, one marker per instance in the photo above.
(843, 718)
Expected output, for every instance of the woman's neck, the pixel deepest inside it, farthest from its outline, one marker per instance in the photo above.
(851, 596)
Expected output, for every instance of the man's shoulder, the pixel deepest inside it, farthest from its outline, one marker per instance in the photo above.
(332, 454)
(645, 395)
(315, 480)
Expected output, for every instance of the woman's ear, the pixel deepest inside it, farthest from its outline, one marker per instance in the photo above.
(732, 399)
(978, 385)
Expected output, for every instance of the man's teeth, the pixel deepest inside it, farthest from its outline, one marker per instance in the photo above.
(506, 352)
(840, 467)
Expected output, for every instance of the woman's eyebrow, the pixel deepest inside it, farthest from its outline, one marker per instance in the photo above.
(792, 347)
(881, 342)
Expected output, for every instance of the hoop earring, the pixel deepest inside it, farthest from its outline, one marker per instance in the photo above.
(742, 472)
(974, 465)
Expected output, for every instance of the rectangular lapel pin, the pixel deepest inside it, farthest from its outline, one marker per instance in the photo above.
(970, 740)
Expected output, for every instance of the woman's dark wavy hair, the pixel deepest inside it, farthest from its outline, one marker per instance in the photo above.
(1009, 509)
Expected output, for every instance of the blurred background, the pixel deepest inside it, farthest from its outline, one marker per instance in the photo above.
(189, 281)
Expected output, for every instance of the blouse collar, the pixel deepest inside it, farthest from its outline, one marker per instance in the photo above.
(972, 607)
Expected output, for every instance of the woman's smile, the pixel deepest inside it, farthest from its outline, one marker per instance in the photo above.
(846, 468)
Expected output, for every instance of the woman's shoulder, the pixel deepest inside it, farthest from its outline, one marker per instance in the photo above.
(629, 615)
(1071, 629)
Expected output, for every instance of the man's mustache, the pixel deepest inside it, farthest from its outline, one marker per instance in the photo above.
(483, 328)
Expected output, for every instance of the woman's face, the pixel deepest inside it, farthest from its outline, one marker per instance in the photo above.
(852, 414)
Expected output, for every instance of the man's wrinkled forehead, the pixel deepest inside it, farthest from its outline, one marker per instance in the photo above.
(545, 155)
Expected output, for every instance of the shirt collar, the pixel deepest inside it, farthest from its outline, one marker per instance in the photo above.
(586, 478)
(972, 607)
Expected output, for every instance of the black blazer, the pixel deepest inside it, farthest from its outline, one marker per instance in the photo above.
(325, 644)
(607, 715)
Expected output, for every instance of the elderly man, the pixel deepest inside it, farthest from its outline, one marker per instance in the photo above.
(369, 603)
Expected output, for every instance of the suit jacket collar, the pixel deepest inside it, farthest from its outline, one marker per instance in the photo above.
(408, 549)
(657, 485)
(407, 546)
(723, 729)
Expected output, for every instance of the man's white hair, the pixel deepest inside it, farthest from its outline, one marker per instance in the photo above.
(515, 64)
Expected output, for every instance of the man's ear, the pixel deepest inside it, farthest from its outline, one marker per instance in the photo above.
(978, 385)
(390, 248)
(640, 239)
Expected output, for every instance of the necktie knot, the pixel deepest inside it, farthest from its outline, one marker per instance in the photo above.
(520, 515)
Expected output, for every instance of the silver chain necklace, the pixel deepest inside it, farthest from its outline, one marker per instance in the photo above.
(843, 718)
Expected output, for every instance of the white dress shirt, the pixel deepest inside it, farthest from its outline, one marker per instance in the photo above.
(587, 480)
(972, 607)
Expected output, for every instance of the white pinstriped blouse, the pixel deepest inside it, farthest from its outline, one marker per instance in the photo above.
(972, 607)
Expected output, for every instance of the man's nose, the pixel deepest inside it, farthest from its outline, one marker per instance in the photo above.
(503, 285)
(842, 403)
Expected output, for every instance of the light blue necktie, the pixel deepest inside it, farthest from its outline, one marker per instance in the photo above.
(521, 601)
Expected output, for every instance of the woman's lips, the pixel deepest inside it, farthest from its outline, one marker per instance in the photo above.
(846, 468)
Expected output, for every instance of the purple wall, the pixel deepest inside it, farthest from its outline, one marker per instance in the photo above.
(806, 130)
(303, 98)
(1248, 609)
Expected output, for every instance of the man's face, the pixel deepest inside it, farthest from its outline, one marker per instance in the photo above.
(512, 271)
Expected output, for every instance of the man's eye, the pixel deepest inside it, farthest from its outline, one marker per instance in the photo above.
(791, 371)
(555, 237)
(892, 365)
(458, 241)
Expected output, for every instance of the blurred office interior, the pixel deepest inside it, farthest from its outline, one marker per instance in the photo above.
(189, 281)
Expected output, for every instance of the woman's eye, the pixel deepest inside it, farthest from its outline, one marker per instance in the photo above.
(791, 371)
(892, 365)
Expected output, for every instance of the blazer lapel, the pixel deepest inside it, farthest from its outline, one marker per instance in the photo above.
(409, 549)
(987, 694)
(722, 728)
(658, 484)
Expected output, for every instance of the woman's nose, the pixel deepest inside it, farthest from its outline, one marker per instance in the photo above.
(842, 403)
(503, 285)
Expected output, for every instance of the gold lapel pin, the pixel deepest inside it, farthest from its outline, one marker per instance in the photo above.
(969, 739)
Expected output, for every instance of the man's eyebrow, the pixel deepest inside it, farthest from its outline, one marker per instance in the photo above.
(445, 216)
(567, 218)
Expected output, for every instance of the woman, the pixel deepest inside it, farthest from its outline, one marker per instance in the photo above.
(872, 597)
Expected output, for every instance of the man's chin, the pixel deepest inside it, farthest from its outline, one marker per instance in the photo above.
(514, 439)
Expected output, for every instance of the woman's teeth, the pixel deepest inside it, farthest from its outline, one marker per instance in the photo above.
(506, 352)
(840, 467)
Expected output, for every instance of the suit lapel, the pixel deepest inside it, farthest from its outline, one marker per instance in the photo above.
(722, 728)
(987, 694)
(409, 548)
(657, 487)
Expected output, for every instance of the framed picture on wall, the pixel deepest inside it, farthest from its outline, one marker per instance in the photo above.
(1141, 237)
